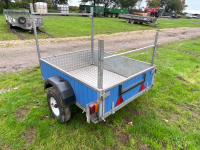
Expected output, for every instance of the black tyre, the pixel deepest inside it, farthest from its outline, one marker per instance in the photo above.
(9, 25)
(58, 110)
(141, 22)
(22, 20)
(132, 21)
(127, 20)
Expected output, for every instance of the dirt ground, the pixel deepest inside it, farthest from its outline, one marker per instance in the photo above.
(19, 54)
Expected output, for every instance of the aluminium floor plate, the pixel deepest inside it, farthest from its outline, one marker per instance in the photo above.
(89, 75)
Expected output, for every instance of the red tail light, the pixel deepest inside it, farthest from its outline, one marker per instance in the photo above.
(93, 108)
(142, 87)
(120, 100)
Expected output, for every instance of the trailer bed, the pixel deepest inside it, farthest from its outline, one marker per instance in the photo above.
(130, 18)
(79, 66)
(12, 18)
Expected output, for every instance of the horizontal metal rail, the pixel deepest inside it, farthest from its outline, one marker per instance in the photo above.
(15, 11)
(129, 52)
(70, 14)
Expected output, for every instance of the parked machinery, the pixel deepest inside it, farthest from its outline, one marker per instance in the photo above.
(154, 12)
(98, 10)
(102, 11)
(98, 82)
(138, 19)
(115, 12)
(170, 15)
(21, 18)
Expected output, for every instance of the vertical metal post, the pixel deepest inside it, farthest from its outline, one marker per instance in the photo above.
(92, 33)
(100, 63)
(154, 50)
(35, 31)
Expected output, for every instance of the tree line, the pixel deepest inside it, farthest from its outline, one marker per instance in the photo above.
(168, 5)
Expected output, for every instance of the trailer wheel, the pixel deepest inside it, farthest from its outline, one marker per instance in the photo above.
(58, 110)
(10, 26)
(132, 21)
(141, 22)
(127, 20)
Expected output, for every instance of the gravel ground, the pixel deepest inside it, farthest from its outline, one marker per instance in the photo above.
(18, 54)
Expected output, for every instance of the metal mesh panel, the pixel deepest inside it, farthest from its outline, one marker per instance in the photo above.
(71, 61)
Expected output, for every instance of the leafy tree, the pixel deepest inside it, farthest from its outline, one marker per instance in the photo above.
(173, 5)
(6, 2)
(106, 3)
(127, 4)
(153, 3)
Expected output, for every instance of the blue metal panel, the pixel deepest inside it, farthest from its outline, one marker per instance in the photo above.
(84, 95)
(114, 92)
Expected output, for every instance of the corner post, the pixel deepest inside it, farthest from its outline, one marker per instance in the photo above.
(35, 31)
(92, 33)
(154, 50)
(100, 64)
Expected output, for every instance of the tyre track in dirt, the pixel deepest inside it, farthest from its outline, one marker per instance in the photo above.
(16, 54)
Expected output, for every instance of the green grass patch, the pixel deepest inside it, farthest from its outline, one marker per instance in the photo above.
(5, 34)
(73, 26)
(26, 122)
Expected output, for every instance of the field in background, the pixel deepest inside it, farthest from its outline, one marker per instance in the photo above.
(167, 117)
(70, 26)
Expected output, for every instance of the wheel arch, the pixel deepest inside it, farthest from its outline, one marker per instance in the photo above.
(63, 86)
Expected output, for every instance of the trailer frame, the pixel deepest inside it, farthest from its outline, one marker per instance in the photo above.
(130, 18)
(91, 86)
(12, 18)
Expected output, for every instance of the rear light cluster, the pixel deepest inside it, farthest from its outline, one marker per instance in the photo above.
(93, 108)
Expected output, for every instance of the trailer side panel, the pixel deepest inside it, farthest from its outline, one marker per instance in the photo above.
(84, 95)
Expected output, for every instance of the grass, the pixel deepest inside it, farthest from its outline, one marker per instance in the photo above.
(26, 122)
(4, 31)
(71, 26)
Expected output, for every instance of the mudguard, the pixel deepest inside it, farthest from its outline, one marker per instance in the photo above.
(64, 88)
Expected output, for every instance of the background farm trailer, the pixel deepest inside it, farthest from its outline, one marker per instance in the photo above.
(115, 12)
(21, 18)
(138, 19)
(169, 15)
(102, 11)
(99, 83)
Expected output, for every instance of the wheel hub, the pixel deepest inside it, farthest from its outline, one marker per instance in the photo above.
(54, 106)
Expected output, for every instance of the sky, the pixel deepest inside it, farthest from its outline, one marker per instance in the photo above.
(193, 5)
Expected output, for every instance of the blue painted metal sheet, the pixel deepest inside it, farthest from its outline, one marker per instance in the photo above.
(84, 95)
(114, 92)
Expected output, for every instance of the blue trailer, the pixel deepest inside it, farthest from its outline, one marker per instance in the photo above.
(98, 82)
